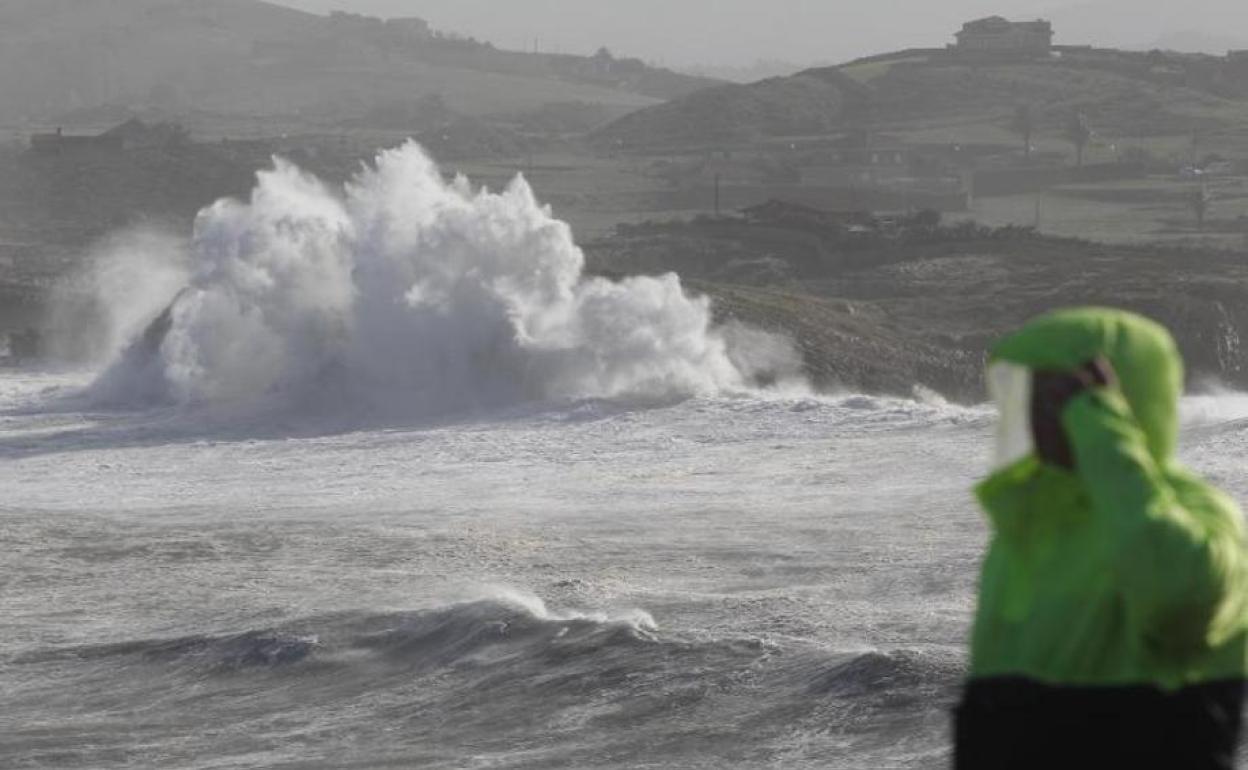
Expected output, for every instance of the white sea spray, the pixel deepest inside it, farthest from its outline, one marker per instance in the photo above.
(407, 291)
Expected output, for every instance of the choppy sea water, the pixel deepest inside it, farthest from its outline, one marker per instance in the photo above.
(737, 582)
(744, 581)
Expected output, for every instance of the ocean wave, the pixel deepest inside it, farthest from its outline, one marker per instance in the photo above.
(916, 672)
(252, 649)
(511, 625)
(504, 679)
(517, 633)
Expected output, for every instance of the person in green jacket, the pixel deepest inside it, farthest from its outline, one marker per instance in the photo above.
(1112, 626)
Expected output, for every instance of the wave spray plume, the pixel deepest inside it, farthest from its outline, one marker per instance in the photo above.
(407, 291)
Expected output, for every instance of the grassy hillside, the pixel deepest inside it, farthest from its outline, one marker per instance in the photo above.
(245, 57)
(813, 102)
(61, 54)
(1128, 95)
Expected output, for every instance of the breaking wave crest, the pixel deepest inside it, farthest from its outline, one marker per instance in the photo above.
(515, 632)
(406, 291)
(509, 624)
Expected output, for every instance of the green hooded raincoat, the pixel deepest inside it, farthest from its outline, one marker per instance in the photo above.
(1128, 570)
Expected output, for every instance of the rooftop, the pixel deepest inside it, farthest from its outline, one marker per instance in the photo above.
(994, 24)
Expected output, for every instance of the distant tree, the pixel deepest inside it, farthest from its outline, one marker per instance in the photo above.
(1024, 124)
(1199, 202)
(1078, 133)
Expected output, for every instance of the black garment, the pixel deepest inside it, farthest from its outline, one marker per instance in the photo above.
(1018, 724)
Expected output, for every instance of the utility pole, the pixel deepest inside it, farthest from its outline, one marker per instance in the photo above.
(717, 196)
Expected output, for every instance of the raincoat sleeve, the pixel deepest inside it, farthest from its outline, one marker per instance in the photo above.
(1177, 566)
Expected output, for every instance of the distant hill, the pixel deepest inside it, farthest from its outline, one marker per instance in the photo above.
(810, 102)
(246, 57)
(751, 73)
(1126, 94)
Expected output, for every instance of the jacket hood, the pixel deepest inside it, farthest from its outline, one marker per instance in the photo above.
(1142, 352)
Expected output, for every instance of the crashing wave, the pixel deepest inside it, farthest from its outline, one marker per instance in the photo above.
(406, 291)
(515, 622)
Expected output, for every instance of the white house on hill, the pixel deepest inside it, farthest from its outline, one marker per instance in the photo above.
(998, 37)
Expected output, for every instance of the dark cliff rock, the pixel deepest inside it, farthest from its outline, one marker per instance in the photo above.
(900, 312)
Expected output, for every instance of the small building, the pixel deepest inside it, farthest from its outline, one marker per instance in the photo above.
(997, 37)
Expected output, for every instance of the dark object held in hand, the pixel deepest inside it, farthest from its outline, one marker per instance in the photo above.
(1050, 392)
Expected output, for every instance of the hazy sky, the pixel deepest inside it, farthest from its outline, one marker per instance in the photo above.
(681, 32)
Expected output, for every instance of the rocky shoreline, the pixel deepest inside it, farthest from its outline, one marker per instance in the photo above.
(897, 311)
